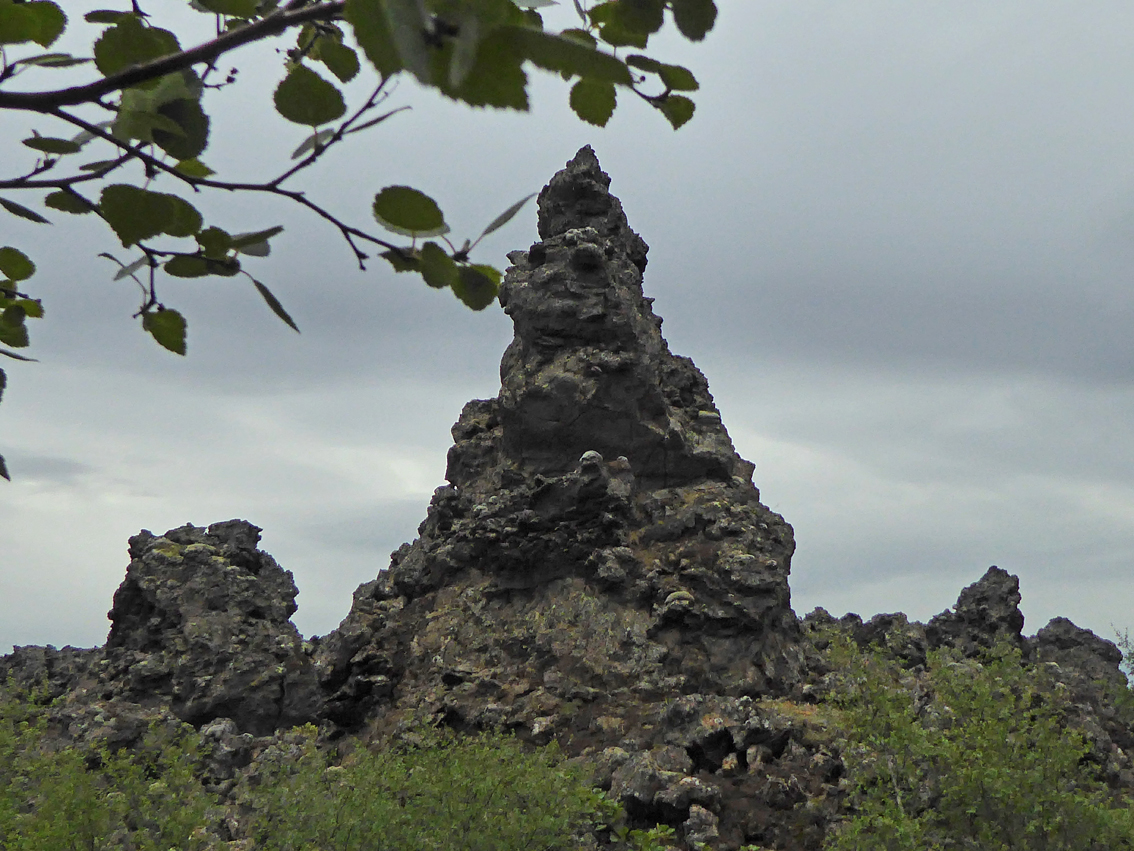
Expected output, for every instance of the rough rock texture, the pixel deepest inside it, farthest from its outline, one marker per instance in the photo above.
(599, 571)
(986, 611)
(600, 548)
(204, 618)
(201, 625)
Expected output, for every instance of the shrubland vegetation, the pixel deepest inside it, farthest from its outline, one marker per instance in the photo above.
(432, 791)
(967, 755)
(976, 755)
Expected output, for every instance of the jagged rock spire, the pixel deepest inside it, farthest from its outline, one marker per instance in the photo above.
(588, 369)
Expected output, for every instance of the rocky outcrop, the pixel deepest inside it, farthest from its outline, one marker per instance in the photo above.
(987, 611)
(203, 619)
(598, 571)
(200, 626)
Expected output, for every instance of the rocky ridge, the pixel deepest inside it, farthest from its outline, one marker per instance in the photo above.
(599, 570)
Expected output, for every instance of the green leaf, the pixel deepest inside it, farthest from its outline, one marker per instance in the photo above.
(407, 20)
(16, 265)
(569, 56)
(694, 18)
(13, 332)
(497, 77)
(4, 469)
(41, 22)
(402, 261)
(477, 285)
(593, 101)
(98, 165)
(186, 219)
(340, 60)
(52, 146)
(106, 16)
(579, 35)
(167, 327)
(33, 307)
(15, 356)
(437, 267)
(234, 8)
(505, 217)
(274, 304)
(129, 42)
(52, 60)
(214, 242)
(244, 241)
(306, 98)
(372, 31)
(50, 21)
(675, 77)
(405, 210)
(636, 16)
(194, 168)
(193, 124)
(677, 109)
(17, 24)
(69, 201)
(187, 266)
(3, 383)
(136, 214)
(23, 212)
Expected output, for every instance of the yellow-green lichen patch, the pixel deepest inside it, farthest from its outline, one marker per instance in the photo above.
(166, 547)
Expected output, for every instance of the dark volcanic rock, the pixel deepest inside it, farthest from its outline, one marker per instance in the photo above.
(599, 571)
(986, 611)
(600, 548)
(203, 619)
(588, 368)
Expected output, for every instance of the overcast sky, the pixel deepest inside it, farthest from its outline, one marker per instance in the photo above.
(897, 238)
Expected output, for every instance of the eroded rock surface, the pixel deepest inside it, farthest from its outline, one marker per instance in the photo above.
(599, 571)
(201, 626)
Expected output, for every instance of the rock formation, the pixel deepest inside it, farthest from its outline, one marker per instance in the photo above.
(599, 571)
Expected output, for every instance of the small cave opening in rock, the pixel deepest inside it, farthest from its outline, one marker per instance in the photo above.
(708, 754)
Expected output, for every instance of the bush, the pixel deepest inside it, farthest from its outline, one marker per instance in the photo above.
(70, 799)
(442, 792)
(445, 792)
(973, 755)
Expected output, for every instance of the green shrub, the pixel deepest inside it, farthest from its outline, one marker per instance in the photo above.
(446, 792)
(977, 755)
(56, 798)
(442, 793)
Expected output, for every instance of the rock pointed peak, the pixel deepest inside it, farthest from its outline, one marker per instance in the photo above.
(589, 370)
(579, 197)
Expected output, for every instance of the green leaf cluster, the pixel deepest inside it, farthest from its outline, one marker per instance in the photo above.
(65, 798)
(981, 755)
(15, 309)
(461, 793)
(409, 212)
(152, 147)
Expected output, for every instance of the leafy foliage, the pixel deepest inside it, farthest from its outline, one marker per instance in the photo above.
(481, 793)
(64, 798)
(435, 791)
(982, 759)
(473, 51)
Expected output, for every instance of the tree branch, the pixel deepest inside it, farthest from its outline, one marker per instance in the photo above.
(273, 24)
(349, 233)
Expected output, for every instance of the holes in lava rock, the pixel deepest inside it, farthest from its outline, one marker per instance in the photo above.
(709, 753)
